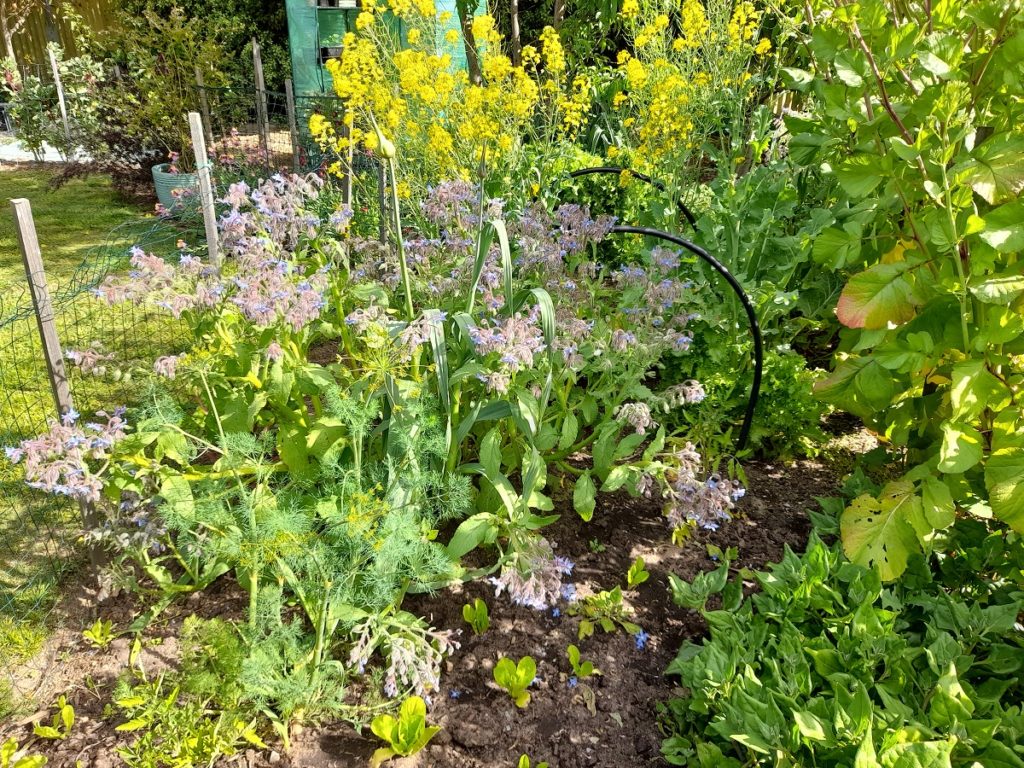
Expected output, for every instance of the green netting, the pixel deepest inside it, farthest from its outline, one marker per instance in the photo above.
(38, 532)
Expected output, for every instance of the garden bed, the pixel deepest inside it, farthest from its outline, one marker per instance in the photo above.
(480, 724)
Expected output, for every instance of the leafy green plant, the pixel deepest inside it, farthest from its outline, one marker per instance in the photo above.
(580, 669)
(515, 678)
(61, 723)
(911, 115)
(100, 634)
(475, 614)
(524, 762)
(605, 609)
(825, 666)
(11, 757)
(174, 730)
(637, 574)
(406, 734)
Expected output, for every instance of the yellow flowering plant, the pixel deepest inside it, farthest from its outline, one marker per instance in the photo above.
(399, 78)
(687, 84)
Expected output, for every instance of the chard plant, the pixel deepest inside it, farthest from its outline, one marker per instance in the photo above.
(912, 113)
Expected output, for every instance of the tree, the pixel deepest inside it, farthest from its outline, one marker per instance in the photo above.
(13, 16)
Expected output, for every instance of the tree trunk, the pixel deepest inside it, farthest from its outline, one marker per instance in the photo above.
(466, 19)
(559, 14)
(517, 50)
(8, 35)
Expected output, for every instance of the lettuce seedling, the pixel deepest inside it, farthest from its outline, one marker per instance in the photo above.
(406, 734)
(516, 678)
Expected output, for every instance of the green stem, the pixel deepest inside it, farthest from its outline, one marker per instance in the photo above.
(397, 216)
(962, 294)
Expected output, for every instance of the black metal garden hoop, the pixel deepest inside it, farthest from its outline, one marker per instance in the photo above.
(707, 258)
(660, 186)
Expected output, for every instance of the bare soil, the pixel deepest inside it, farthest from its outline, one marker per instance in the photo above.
(604, 721)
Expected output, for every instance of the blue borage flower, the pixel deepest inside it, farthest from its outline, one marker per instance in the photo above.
(641, 638)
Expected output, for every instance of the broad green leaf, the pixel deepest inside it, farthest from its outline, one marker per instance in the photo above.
(937, 502)
(949, 703)
(1004, 479)
(974, 389)
(809, 726)
(999, 290)
(570, 430)
(584, 496)
(865, 757)
(849, 65)
(859, 385)
(877, 297)
(1004, 228)
(860, 174)
(471, 533)
(996, 169)
(961, 448)
(919, 754)
(796, 79)
(490, 453)
(616, 478)
(878, 531)
(934, 65)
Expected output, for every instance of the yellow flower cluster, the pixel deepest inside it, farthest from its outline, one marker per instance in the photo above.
(634, 69)
(694, 25)
(574, 107)
(553, 53)
(743, 24)
(652, 33)
(630, 9)
(667, 125)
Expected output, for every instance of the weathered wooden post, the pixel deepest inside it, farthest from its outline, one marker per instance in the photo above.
(293, 127)
(61, 388)
(205, 187)
(262, 113)
(60, 97)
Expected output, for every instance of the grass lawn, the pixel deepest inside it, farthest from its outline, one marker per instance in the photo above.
(84, 231)
(70, 221)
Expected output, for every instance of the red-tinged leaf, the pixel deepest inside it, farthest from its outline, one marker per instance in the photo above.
(877, 297)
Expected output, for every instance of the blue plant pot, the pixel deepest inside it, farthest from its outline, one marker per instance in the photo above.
(176, 191)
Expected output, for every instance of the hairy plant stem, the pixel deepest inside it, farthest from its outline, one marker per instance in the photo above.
(399, 242)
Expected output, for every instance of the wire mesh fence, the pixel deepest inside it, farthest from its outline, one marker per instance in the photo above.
(39, 532)
(251, 135)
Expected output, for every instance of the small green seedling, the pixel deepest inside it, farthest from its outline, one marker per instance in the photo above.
(636, 575)
(406, 734)
(606, 610)
(516, 678)
(475, 614)
(61, 724)
(596, 546)
(10, 757)
(524, 762)
(100, 634)
(580, 670)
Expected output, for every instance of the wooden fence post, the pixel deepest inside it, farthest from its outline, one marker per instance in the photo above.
(60, 97)
(205, 187)
(204, 105)
(289, 94)
(36, 277)
(262, 114)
